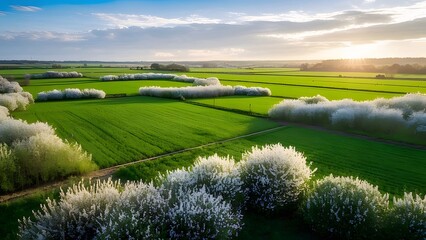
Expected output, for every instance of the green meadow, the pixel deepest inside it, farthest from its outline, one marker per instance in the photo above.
(118, 130)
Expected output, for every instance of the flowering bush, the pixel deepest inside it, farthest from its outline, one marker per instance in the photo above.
(45, 157)
(4, 113)
(405, 114)
(76, 215)
(187, 92)
(407, 218)
(345, 207)
(252, 91)
(53, 74)
(220, 177)
(107, 210)
(9, 87)
(35, 154)
(197, 214)
(273, 176)
(12, 96)
(162, 76)
(140, 213)
(70, 93)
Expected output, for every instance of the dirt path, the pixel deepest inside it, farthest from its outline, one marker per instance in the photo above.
(107, 172)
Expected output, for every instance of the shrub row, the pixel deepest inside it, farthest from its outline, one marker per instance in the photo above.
(70, 93)
(209, 91)
(162, 76)
(405, 114)
(206, 201)
(201, 202)
(32, 153)
(53, 74)
(12, 96)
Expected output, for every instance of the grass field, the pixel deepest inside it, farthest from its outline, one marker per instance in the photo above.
(121, 130)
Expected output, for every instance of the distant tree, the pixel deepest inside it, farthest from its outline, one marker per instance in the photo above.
(304, 67)
(155, 66)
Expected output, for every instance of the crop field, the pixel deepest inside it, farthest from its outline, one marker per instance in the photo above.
(121, 130)
(118, 130)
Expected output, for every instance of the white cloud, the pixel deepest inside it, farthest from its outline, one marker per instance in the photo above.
(43, 36)
(144, 21)
(25, 8)
(369, 1)
(291, 35)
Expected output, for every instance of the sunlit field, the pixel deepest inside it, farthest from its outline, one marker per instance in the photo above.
(125, 127)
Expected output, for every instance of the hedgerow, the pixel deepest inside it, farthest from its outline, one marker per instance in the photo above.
(405, 114)
(70, 93)
(54, 74)
(162, 76)
(208, 91)
(199, 203)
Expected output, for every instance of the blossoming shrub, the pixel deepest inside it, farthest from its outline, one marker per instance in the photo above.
(12, 96)
(75, 216)
(220, 177)
(398, 115)
(108, 210)
(273, 176)
(407, 218)
(345, 208)
(46, 157)
(70, 93)
(54, 74)
(196, 214)
(32, 154)
(140, 213)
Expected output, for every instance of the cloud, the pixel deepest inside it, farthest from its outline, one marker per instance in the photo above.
(25, 8)
(42, 36)
(397, 31)
(144, 21)
(292, 35)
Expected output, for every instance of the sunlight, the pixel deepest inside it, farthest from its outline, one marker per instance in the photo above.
(358, 51)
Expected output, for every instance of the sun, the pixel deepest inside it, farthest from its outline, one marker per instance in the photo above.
(358, 51)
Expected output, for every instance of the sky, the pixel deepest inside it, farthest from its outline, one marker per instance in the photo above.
(199, 30)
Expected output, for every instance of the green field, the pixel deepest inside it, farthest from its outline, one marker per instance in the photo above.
(125, 129)
(121, 130)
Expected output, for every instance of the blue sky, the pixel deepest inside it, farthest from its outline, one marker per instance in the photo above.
(211, 30)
